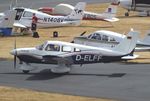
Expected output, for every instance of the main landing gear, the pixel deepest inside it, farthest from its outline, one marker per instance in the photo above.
(127, 13)
(26, 68)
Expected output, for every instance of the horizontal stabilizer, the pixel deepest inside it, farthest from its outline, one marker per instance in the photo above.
(112, 19)
(130, 57)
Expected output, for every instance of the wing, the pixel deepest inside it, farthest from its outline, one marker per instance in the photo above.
(64, 63)
(19, 25)
(142, 49)
(58, 59)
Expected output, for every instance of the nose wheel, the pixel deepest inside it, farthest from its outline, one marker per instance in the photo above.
(25, 71)
(26, 68)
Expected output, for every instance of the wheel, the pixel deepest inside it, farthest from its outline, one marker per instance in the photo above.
(25, 71)
(148, 14)
(126, 14)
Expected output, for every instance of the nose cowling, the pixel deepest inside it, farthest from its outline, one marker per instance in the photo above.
(13, 52)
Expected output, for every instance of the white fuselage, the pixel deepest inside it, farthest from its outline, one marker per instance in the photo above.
(133, 5)
(45, 20)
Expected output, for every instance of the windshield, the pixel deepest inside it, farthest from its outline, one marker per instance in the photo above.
(40, 47)
(52, 47)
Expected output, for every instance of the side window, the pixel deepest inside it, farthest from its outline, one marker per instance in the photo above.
(98, 36)
(105, 38)
(112, 39)
(77, 50)
(52, 47)
(66, 49)
(27, 14)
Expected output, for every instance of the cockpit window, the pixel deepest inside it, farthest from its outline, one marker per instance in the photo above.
(19, 13)
(52, 47)
(89, 36)
(27, 14)
(105, 38)
(96, 36)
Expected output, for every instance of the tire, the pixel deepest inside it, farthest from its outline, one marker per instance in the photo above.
(25, 71)
(126, 14)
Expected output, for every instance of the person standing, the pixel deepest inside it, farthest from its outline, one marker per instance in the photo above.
(34, 23)
(34, 26)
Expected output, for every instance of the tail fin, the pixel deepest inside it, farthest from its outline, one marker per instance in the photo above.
(110, 13)
(6, 22)
(78, 12)
(128, 44)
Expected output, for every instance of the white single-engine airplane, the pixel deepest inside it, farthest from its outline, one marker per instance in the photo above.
(66, 9)
(109, 39)
(24, 17)
(6, 22)
(141, 6)
(65, 54)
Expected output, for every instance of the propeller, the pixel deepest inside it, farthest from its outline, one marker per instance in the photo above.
(82, 33)
(15, 55)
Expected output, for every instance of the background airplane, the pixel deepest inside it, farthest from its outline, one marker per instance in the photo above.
(24, 17)
(141, 6)
(109, 39)
(65, 9)
(6, 22)
(66, 54)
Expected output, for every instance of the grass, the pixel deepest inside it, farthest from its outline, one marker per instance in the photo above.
(13, 94)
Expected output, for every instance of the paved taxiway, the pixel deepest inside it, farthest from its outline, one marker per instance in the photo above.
(125, 82)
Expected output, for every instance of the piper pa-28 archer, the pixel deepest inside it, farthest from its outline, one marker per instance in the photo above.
(65, 54)
(24, 17)
(109, 39)
(65, 9)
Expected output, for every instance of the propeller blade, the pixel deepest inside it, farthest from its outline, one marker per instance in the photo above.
(15, 55)
(82, 33)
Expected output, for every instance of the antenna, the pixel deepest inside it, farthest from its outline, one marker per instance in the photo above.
(13, 3)
(16, 3)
